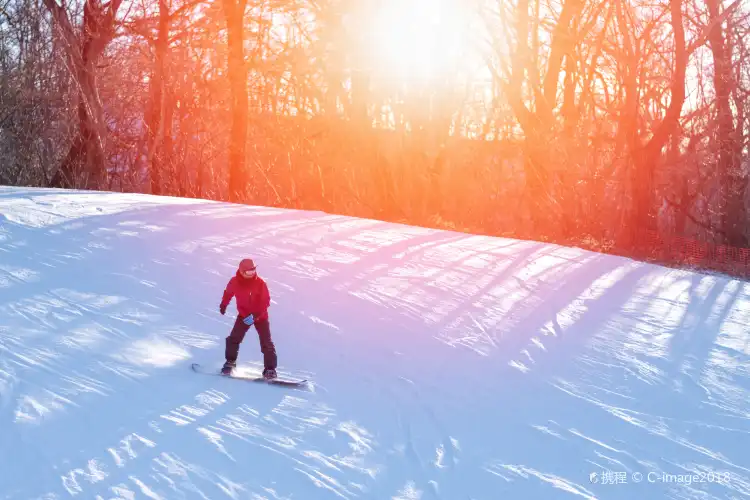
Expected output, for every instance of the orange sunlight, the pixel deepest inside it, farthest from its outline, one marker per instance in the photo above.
(418, 40)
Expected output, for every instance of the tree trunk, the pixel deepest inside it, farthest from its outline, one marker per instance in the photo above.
(157, 125)
(732, 182)
(234, 11)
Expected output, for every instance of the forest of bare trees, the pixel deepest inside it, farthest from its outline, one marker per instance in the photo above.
(558, 120)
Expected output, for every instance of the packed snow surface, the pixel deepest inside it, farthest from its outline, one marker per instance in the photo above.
(444, 365)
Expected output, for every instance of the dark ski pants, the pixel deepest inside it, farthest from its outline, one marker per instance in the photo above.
(264, 335)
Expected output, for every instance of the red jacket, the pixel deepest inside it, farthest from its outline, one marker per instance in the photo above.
(251, 296)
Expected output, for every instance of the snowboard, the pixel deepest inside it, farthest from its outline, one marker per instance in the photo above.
(280, 380)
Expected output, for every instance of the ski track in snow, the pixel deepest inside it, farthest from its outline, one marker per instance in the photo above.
(445, 366)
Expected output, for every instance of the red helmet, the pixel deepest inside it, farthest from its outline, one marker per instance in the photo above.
(247, 265)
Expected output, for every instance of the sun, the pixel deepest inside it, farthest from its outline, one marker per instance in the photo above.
(417, 40)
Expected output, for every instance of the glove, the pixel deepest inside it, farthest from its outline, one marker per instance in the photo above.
(249, 320)
(223, 310)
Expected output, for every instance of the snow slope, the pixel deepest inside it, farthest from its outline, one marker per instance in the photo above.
(446, 366)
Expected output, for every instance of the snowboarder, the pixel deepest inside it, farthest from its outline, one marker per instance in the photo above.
(252, 299)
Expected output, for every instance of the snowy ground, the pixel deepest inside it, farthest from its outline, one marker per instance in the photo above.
(446, 366)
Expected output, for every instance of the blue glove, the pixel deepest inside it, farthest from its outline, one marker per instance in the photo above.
(249, 320)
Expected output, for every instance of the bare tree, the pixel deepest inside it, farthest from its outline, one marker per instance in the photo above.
(84, 165)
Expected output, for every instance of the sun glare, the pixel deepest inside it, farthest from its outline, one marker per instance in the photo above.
(418, 40)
